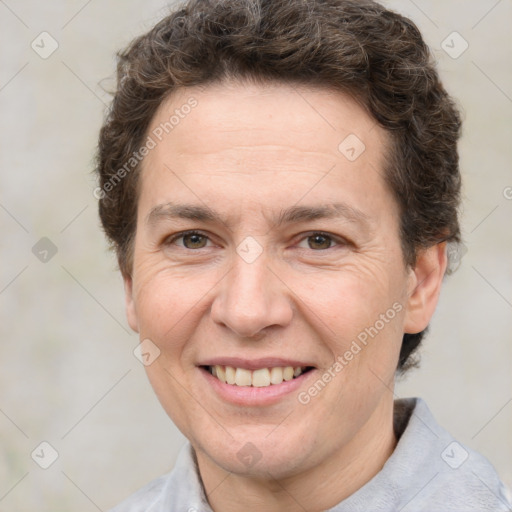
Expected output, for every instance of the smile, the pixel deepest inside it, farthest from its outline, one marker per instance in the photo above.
(259, 378)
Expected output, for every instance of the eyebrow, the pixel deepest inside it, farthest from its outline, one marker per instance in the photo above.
(293, 215)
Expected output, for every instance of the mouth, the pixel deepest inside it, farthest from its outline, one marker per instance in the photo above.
(257, 378)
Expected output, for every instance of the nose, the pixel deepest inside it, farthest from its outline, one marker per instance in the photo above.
(251, 299)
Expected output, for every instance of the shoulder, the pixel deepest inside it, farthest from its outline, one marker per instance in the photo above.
(450, 476)
(146, 498)
(181, 489)
(471, 486)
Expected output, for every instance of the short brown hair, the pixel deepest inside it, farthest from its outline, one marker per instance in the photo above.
(356, 47)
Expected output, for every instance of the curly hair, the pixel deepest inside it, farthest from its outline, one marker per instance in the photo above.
(356, 47)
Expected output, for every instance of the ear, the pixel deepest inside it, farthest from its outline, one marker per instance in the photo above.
(131, 312)
(425, 286)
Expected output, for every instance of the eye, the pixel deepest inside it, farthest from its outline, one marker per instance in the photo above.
(190, 240)
(318, 241)
(196, 240)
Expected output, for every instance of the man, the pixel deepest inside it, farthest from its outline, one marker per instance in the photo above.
(280, 182)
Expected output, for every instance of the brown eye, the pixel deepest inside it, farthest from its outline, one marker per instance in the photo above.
(194, 240)
(319, 241)
(190, 240)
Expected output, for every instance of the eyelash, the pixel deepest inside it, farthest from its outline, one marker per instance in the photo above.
(334, 239)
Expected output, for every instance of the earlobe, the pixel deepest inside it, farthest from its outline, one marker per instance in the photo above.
(131, 312)
(426, 280)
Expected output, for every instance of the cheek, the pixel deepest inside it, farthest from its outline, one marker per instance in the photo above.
(359, 312)
(353, 297)
(169, 309)
(169, 302)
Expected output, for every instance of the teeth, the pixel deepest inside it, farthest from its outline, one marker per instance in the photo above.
(221, 373)
(242, 377)
(276, 375)
(230, 375)
(288, 373)
(260, 378)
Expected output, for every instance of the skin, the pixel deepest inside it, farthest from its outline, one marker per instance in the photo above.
(248, 152)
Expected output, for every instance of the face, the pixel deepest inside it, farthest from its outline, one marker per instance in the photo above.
(268, 275)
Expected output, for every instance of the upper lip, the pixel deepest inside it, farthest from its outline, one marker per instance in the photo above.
(253, 364)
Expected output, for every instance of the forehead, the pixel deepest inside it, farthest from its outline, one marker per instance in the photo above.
(262, 143)
(257, 113)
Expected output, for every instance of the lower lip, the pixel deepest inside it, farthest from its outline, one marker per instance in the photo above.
(249, 395)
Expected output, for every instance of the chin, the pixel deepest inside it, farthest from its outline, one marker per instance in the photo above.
(256, 453)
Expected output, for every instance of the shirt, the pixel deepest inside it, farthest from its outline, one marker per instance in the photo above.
(427, 472)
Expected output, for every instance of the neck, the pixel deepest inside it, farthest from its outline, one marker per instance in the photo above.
(317, 488)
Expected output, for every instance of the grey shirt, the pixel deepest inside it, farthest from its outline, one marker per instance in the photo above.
(428, 471)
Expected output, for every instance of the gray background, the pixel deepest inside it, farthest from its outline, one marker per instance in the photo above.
(67, 372)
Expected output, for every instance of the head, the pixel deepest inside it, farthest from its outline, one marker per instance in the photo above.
(279, 181)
